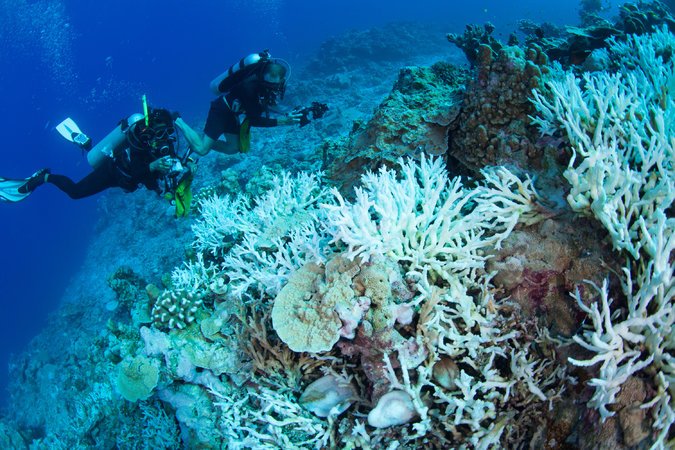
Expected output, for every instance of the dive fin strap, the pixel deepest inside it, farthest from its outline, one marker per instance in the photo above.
(70, 131)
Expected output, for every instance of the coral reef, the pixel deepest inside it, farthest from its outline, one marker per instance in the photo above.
(413, 118)
(418, 310)
(359, 49)
(573, 45)
(396, 310)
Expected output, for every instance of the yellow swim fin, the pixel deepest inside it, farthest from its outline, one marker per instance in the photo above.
(183, 197)
(245, 136)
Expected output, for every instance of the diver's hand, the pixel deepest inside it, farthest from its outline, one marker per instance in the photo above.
(161, 165)
(289, 119)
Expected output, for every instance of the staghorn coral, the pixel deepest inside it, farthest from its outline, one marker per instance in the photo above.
(258, 245)
(429, 223)
(621, 127)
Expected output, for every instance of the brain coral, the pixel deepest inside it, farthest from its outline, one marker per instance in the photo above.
(305, 318)
(318, 306)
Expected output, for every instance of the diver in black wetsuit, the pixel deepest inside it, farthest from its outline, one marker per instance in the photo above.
(247, 91)
(143, 154)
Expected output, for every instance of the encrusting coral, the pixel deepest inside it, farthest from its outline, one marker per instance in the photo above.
(136, 378)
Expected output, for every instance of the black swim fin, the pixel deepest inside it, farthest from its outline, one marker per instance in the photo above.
(17, 190)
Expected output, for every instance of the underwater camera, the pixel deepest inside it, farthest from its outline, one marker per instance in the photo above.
(176, 167)
(309, 113)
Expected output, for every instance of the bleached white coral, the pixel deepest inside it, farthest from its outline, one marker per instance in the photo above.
(622, 130)
(261, 242)
(610, 342)
(428, 222)
(222, 219)
(434, 229)
(194, 276)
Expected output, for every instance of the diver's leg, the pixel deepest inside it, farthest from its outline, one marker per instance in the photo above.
(99, 180)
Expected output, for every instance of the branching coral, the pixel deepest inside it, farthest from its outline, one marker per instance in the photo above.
(427, 222)
(402, 288)
(260, 243)
(621, 128)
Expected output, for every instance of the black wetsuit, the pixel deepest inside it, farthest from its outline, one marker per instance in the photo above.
(247, 97)
(128, 169)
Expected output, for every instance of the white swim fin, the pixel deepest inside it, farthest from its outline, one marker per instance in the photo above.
(69, 130)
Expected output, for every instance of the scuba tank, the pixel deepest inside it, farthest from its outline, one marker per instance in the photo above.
(238, 72)
(115, 140)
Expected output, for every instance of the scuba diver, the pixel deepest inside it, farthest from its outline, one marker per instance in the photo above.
(246, 91)
(139, 151)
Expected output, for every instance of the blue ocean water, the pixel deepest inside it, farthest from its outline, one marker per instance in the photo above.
(92, 61)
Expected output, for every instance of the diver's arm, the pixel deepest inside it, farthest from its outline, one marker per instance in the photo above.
(203, 144)
(195, 141)
(265, 122)
(289, 119)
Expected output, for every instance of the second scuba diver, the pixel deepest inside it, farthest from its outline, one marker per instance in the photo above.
(246, 91)
(139, 151)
